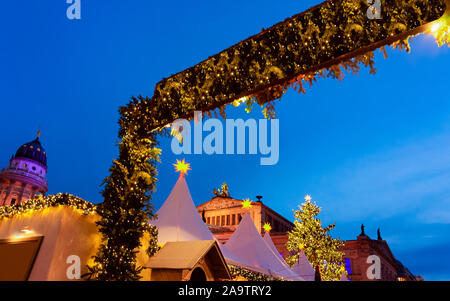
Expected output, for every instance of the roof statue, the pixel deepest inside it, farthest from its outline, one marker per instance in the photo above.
(222, 191)
(362, 231)
(379, 234)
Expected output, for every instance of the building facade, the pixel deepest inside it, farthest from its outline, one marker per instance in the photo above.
(25, 176)
(223, 214)
(358, 261)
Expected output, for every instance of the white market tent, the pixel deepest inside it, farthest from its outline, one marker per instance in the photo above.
(343, 277)
(303, 268)
(268, 239)
(247, 243)
(178, 220)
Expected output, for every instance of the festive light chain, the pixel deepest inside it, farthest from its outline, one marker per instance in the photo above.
(261, 68)
(325, 41)
(237, 273)
(41, 202)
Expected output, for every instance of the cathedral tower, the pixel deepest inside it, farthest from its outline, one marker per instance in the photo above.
(25, 175)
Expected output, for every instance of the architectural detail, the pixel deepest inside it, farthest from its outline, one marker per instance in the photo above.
(25, 175)
(223, 214)
(356, 255)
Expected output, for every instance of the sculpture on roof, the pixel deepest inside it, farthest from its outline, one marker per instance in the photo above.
(222, 191)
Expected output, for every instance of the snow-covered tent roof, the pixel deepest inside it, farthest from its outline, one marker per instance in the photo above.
(178, 219)
(247, 243)
(303, 268)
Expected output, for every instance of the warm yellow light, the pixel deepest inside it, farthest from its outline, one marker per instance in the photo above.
(436, 26)
(440, 29)
(27, 230)
(24, 233)
(301, 246)
(267, 227)
(247, 204)
(307, 197)
(182, 167)
(237, 102)
(342, 269)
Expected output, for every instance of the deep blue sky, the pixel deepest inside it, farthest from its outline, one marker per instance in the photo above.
(369, 149)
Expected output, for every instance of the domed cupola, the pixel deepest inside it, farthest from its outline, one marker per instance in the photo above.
(26, 174)
(33, 150)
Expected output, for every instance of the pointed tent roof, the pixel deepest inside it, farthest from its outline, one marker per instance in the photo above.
(303, 268)
(268, 240)
(247, 243)
(178, 219)
(343, 277)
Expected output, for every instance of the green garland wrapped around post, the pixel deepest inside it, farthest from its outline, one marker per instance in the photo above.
(324, 41)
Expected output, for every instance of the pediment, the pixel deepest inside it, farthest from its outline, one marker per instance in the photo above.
(220, 203)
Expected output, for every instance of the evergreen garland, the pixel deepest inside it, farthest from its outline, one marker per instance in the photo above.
(241, 274)
(40, 202)
(127, 210)
(324, 41)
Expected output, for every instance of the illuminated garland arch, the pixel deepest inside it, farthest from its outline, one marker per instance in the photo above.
(42, 202)
(324, 41)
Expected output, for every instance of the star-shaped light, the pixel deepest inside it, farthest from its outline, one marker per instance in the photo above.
(342, 269)
(307, 197)
(301, 246)
(246, 204)
(182, 167)
(267, 227)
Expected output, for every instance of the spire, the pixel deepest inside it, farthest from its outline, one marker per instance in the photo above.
(362, 231)
(38, 134)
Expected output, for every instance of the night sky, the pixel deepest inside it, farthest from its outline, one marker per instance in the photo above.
(371, 149)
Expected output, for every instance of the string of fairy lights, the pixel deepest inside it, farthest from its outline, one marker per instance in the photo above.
(43, 202)
(257, 70)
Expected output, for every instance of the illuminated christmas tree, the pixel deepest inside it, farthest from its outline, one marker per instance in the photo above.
(319, 247)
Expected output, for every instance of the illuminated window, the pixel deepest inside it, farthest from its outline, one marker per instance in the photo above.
(213, 220)
(208, 220)
(348, 266)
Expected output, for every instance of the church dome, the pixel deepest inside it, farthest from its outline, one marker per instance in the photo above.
(33, 150)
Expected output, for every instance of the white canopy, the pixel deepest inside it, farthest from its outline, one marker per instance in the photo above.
(178, 219)
(247, 243)
(303, 268)
(344, 277)
(268, 240)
